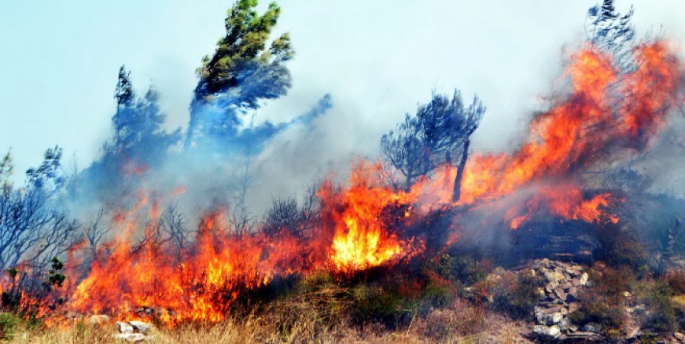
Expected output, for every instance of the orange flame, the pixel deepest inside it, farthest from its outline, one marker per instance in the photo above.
(362, 239)
(567, 202)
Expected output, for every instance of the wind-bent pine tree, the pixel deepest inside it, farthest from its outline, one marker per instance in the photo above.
(123, 93)
(241, 72)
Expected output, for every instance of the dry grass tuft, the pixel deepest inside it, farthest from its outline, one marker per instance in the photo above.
(307, 319)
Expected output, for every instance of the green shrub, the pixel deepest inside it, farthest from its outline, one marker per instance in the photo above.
(612, 283)
(621, 248)
(516, 294)
(8, 325)
(439, 295)
(315, 304)
(603, 304)
(458, 320)
(373, 303)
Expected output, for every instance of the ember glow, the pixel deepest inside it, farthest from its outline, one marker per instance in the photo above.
(566, 202)
(605, 114)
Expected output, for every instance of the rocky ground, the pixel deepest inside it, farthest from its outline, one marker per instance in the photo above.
(562, 295)
(559, 297)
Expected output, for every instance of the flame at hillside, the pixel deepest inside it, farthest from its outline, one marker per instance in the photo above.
(607, 114)
(566, 202)
(362, 237)
(199, 282)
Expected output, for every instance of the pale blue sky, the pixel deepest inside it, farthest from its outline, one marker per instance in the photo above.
(378, 59)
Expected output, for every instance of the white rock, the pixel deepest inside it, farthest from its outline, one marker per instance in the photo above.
(124, 327)
(140, 326)
(131, 337)
(549, 316)
(679, 336)
(547, 331)
(584, 278)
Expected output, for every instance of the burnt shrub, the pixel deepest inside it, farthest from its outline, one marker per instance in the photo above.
(676, 281)
(603, 303)
(460, 319)
(516, 294)
(660, 316)
(597, 310)
(457, 268)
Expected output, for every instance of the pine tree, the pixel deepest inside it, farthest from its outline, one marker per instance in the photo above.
(138, 126)
(612, 33)
(441, 129)
(241, 72)
(123, 93)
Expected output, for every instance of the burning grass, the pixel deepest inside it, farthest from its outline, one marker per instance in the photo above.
(375, 305)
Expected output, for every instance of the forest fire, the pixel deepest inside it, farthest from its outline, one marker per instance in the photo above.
(605, 113)
(152, 265)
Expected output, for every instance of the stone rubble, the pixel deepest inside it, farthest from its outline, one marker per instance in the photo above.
(559, 297)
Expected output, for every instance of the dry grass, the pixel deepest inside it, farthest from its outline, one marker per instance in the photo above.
(461, 322)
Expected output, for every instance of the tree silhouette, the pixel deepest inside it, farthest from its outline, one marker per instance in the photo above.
(440, 130)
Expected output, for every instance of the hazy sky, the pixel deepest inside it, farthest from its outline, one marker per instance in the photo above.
(378, 59)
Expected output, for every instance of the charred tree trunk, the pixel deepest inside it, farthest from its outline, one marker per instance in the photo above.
(460, 171)
(408, 182)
